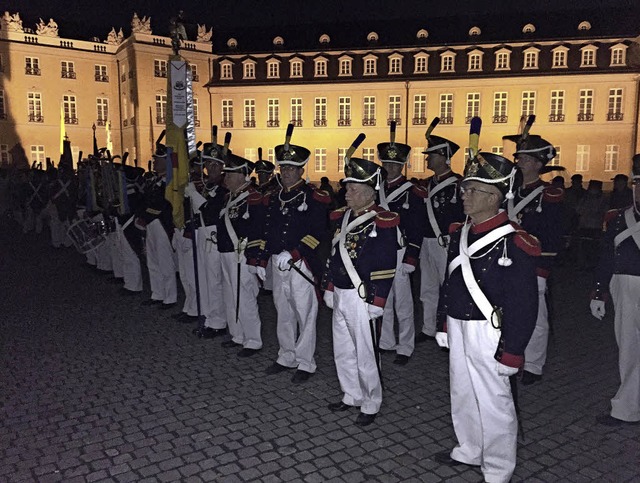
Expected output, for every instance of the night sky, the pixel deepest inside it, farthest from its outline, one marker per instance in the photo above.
(85, 19)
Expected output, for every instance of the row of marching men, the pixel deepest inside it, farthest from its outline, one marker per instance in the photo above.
(484, 242)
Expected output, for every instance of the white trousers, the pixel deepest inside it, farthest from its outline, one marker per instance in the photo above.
(161, 263)
(245, 329)
(433, 265)
(268, 280)
(297, 308)
(131, 268)
(58, 228)
(482, 409)
(400, 304)
(103, 255)
(353, 352)
(210, 264)
(184, 251)
(625, 292)
(535, 354)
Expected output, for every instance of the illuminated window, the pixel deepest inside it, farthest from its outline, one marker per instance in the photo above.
(500, 105)
(582, 157)
(321, 160)
(68, 69)
(159, 68)
(273, 112)
(227, 112)
(611, 157)
(249, 113)
(102, 108)
(446, 108)
(528, 103)
(37, 154)
(161, 108)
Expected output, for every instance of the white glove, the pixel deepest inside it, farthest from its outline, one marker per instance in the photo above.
(328, 298)
(189, 189)
(374, 311)
(597, 309)
(407, 268)
(197, 200)
(252, 269)
(506, 370)
(282, 260)
(442, 338)
(261, 273)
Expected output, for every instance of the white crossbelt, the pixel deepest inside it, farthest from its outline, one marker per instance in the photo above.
(431, 216)
(394, 195)
(464, 261)
(632, 230)
(62, 190)
(514, 210)
(237, 243)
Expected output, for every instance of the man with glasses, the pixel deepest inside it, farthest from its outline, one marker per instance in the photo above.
(443, 207)
(296, 220)
(618, 274)
(484, 322)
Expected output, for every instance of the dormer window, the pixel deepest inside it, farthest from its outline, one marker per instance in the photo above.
(503, 59)
(324, 39)
(320, 67)
(447, 62)
(345, 63)
(232, 43)
(588, 56)
(395, 64)
(278, 41)
(295, 68)
(528, 29)
(226, 70)
(372, 37)
(249, 69)
(370, 65)
(473, 31)
(584, 25)
(422, 34)
(530, 58)
(475, 61)
(618, 55)
(559, 60)
(273, 69)
(421, 63)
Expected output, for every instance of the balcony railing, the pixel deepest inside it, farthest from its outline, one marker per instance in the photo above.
(226, 123)
(160, 73)
(101, 122)
(319, 122)
(467, 119)
(614, 116)
(446, 120)
(344, 122)
(70, 120)
(36, 118)
(369, 121)
(32, 71)
(297, 122)
(556, 117)
(68, 74)
(500, 119)
(585, 116)
(396, 119)
(419, 121)
(273, 123)
(161, 120)
(102, 78)
(249, 123)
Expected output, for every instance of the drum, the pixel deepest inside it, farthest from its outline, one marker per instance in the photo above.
(86, 235)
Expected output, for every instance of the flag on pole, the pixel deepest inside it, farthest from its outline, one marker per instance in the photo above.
(63, 132)
(178, 102)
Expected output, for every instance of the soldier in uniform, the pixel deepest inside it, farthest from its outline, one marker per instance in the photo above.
(207, 206)
(443, 207)
(618, 274)
(64, 197)
(239, 232)
(157, 221)
(131, 238)
(265, 170)
(401, 196)
(538, 207)
(295, 222)
(484, 321)
(357, 282)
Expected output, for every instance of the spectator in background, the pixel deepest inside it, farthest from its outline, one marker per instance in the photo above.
(557, 182)
(622, 195)
(590, 210)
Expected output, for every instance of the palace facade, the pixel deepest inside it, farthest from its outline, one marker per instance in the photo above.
(581, 80)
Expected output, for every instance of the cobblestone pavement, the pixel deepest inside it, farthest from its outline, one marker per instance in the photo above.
(96, 387)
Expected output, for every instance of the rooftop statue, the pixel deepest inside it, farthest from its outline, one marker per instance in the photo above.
(140, 26)
(203, 35)
(12, 23)
(114, 38)
(47, 30)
